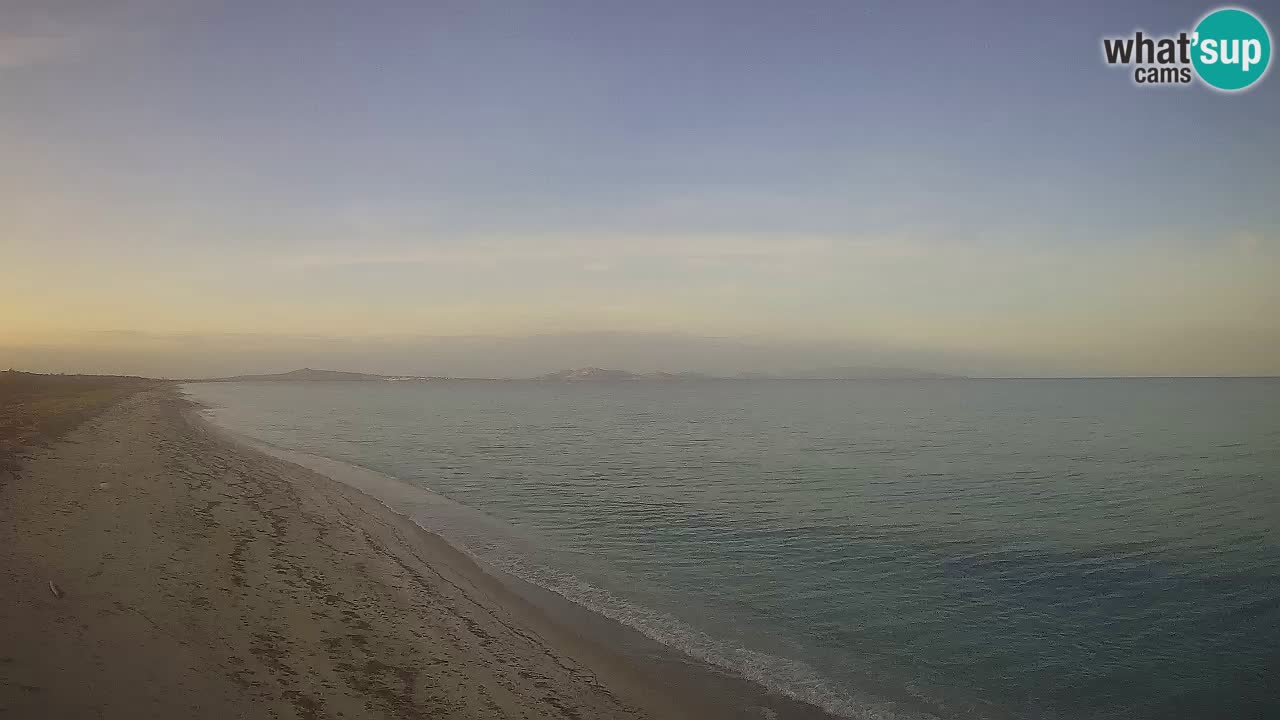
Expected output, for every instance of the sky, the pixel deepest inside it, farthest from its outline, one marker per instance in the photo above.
(502, 188)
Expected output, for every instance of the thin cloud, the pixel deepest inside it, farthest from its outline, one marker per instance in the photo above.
(22, 50)
(35, 33)
(593, 252)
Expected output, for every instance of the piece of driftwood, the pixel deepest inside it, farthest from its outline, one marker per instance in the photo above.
(57, 591)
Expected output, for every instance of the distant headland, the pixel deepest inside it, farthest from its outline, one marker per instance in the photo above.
(598, 375)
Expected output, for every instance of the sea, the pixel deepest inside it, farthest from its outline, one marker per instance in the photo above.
(1084, 548)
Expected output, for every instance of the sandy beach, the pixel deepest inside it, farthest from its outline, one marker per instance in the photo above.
(201, 578)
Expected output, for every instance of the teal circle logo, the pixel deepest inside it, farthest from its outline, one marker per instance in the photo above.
(1231, 49)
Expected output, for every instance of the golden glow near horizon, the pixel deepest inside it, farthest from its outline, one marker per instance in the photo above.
(152, 200)
(1208, 307)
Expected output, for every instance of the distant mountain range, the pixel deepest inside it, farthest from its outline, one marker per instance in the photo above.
(303, 375)
(595, 374)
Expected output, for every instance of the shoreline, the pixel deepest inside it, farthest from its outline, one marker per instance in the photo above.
(239, 584)
(673, 683)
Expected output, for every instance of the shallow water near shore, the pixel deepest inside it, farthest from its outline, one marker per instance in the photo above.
(1067, 548)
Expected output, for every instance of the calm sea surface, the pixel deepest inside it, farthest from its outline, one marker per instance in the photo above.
(1005, 549)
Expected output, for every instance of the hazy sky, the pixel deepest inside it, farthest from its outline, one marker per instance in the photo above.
(197, 186)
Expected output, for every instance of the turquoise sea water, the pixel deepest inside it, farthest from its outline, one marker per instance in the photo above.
(958, 549)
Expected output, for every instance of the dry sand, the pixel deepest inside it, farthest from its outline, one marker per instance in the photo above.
(201, 578)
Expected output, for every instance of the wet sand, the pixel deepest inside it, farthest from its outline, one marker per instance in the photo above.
(202, 578)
